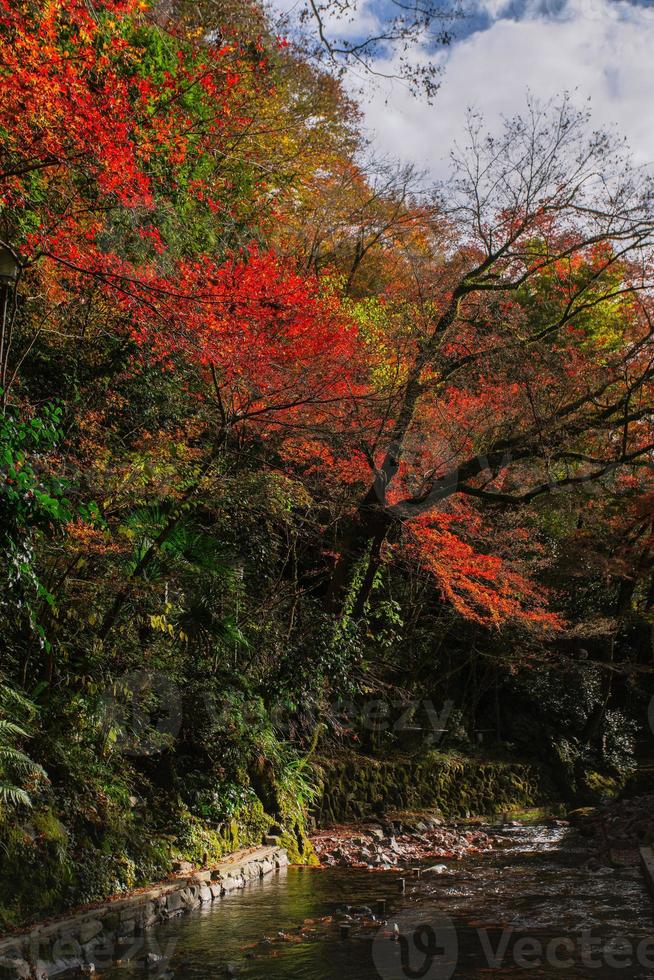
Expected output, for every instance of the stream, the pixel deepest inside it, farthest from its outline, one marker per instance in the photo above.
(530, 908)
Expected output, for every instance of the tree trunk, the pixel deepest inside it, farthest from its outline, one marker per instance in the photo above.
(372, 519)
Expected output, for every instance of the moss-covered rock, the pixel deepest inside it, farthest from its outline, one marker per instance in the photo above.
(297, 844)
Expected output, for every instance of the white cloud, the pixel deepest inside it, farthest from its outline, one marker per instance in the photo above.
(600, 49)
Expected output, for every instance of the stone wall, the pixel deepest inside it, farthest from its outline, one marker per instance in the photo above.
(457, 786)
(98, 937)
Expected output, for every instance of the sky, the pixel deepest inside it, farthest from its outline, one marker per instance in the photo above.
(597, 49)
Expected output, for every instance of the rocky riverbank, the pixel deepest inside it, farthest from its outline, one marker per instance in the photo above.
(618, 828)
(397, 843)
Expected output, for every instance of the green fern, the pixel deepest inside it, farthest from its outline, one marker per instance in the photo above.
(14, 796)
(14, 763)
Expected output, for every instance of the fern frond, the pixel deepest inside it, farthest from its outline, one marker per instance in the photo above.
(14, 795)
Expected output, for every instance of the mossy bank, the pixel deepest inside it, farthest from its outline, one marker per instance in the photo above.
(59, 858)
(457, 785)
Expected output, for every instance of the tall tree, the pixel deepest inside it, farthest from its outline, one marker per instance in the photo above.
(494, 402)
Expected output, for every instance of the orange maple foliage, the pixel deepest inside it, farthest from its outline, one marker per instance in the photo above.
(482, 587)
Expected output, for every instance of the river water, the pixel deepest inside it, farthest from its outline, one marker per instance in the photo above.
(531, 908)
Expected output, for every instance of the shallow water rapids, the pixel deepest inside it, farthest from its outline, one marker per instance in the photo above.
(530, 908)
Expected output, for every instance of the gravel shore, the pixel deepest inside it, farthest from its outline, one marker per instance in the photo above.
(387, 844)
